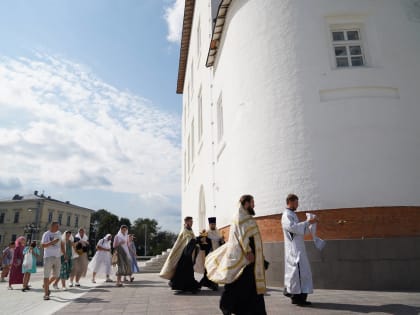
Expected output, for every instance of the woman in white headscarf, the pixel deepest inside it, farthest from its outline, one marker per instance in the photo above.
(80, 262)
(123, 254)
(66, 259)
(101, 262)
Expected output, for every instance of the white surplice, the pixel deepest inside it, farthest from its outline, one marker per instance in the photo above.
(297, 273)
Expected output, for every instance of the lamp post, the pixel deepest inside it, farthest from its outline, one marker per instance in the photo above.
(31, 229)
(34, 228)
(145, 239)
(95, 231)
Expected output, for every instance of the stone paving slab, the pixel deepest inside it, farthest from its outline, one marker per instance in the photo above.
(150, 295)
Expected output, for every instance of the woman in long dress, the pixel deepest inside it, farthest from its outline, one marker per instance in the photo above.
(101, 262)
(80, 262)
(66, 259)
(133, 255)
(16, 275)
(123, 254)
(34, 251)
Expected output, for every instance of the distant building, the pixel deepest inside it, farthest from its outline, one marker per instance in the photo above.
(319, 98)
(30, 215)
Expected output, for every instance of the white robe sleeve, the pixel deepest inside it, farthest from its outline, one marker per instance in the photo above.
(299, 228)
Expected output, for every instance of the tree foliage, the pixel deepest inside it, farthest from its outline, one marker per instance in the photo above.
(143, 229)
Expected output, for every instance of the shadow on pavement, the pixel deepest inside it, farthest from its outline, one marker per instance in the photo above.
(201, 293)
(89, 300)
(394, 309)
(99, 290)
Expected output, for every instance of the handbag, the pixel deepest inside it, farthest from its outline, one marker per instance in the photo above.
(27, 261)
(114, 259)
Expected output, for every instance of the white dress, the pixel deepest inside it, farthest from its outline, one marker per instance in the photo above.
(297, 273)
(101, 262)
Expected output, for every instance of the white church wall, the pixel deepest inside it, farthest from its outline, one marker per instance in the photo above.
(293, 122)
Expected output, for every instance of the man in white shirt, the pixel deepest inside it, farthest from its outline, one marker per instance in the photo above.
(297, 274)
(52, 256)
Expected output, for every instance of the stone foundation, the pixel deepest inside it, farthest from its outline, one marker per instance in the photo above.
(373, 248)
(369, 264)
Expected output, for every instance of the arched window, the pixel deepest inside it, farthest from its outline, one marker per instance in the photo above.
(202, 210)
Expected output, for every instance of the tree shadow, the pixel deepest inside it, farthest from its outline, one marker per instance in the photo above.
(393, 309)
(81, 300)
(89, 300)
(203, 292)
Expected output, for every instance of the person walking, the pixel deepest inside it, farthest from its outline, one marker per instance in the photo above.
(66, 260)
(34, 253)
(80, 261)
(133, 255)
(16, 275)
(297, 273)
(6, 260)
(101, 262)
(123, 255)
(240, 265)
(52, 252)
(179, 266)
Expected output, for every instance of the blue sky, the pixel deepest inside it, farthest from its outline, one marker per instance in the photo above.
(88, 110)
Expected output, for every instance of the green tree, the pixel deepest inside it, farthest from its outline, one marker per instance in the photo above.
(107, 222)
(156, 240)
(125, 221)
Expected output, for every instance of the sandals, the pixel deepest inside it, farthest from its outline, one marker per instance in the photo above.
(46, 297)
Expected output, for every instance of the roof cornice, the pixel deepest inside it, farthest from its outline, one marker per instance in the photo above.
(185, 44)
(217, 31)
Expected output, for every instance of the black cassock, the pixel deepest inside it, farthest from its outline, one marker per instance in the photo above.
(240, 297)
(183, 279)
(207, 247)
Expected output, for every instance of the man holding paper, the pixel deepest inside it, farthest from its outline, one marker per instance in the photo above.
(297, 274)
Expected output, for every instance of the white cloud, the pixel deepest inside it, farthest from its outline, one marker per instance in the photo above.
(174, 16)
(60, 125)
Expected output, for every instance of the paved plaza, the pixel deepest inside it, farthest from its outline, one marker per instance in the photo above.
(150, 295)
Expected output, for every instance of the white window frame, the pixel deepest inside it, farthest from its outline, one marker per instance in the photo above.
(200, 115)
(185, 168)
(192, 79)
(347, 44)
(220, 126)
(199, 40)
(188, 100)
(189, 153)
(192, 142)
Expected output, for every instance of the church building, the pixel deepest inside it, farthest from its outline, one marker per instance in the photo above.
(317, 98)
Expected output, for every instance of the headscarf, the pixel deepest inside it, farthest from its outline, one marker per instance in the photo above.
(63, 236)
(18, 240)
(122, 237)
(84, 238)
(104, 242)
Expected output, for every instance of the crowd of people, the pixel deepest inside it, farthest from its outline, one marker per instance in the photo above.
(65, 258)
(240, 264)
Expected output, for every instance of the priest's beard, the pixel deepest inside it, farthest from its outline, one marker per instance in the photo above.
(251, 211)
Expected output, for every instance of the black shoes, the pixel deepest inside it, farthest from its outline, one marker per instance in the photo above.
(304, 303)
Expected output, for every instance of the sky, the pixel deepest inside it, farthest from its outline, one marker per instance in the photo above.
(88, 109)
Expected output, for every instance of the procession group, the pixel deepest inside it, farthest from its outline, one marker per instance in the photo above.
(239, 263)
(65, 257)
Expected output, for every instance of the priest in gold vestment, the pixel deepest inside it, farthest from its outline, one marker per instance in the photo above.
(179, 266)
(240, 266)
